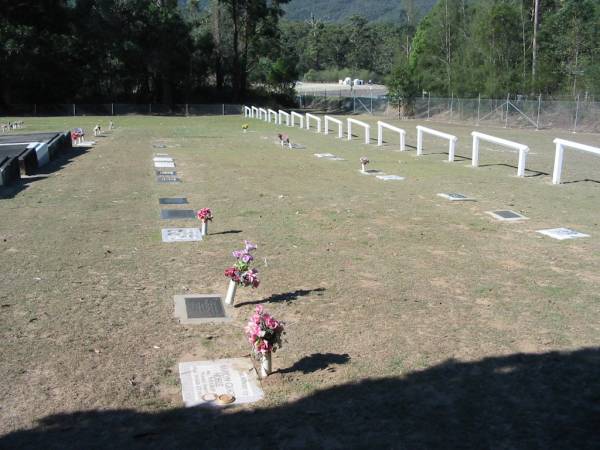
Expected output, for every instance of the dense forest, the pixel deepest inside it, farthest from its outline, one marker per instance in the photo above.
(185, 51)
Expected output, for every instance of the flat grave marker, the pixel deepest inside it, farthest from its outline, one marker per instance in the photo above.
(390, 177)
(562, 233)
(216, 383)
(166, 172)
(324, 155)
(335, 158)
(172, 201)
(199, 309)
(506, 215)
(162, 159)
(454, 197)
(181, 235)
(159, 146)
(177, 214)
(164, 164)
(164, 179)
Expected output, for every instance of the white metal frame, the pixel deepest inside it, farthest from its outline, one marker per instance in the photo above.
(558, 156)
(523, 149)
(299, 116)
(381, 125)
(339, 124)
(255, 112)
(316, 118)
(287, 117)
(270, 113)
(366, 126)
(262, 111)
(452, 140)
(247, 111)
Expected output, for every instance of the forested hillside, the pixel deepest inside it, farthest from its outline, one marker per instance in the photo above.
(372, 10)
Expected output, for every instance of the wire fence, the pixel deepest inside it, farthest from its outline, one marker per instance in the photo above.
(119, 109)
(578, 115)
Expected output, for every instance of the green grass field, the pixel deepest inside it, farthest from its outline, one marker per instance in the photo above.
(412, 322)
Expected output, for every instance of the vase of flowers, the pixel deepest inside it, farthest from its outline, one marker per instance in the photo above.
(245, 127)
(240, 274)
(264, 334)
(363, 162)
(205, 215)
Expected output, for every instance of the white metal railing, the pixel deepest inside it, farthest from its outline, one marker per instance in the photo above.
(450, 137)
(381, 125)
(262, 112)
(287, 117)
(366, 126)
(271, 113)
(247, 111)
(336, 121)
(255, 112)
(300, 118)
(559, 154)
(523, 149)
(316, 119)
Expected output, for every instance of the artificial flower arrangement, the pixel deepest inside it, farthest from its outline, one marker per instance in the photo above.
(245, 127)
(363, 162)
(240, 274)
(205, 215)
(77, 135)
(264, 334)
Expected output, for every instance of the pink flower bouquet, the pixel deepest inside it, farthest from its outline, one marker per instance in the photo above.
(205, 214)
(264, 332)
(240, 272)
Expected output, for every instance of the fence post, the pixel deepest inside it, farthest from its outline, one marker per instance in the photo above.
(73, 109)
(507, 100)
(451, 105)
(428, 100)
(478, 107)
(35, 109)
(576, 115)
(537, 122)
(112, 109)
(149, 108)
(223, 108)
(187, 111)
(354, 102)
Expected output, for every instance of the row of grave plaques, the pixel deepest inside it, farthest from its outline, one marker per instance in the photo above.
(213, 383)
(378, 173)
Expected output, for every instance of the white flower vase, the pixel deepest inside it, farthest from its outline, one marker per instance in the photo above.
(204, 228)
(265, 365)
(230, 297)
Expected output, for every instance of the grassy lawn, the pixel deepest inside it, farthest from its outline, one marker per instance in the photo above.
(412, 322)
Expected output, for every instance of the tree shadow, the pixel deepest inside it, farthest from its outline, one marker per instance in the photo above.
(226, 232)
(519, 401)
(317, 361)
(284, 297)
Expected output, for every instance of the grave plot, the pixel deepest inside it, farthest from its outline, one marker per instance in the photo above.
(199, 309)
(454, 197)
(166, 179)
(168, 214)
(166, 172)
(181, 235)
(390, 177)
(164, 164)
(324, 155)
(172, 201)
(563, 233)
(506, 215)
(216, 383)
(162, 159)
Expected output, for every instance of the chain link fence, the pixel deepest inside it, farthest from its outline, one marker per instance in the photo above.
(519, 112)
(119, 109)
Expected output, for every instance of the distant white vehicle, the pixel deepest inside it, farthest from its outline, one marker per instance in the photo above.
(348, 81)
(358, 82)
(340, 81)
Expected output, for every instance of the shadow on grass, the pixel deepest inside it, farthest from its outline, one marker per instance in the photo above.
(284, 297)
(585, 180)
(520, 401)
(317, 361)
(64, 158)
(532, 173)
(226, 232)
